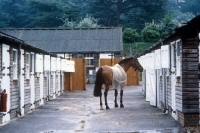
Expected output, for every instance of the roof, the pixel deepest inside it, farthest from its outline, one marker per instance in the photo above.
(99, 40)
(186, 28)
(11, 40)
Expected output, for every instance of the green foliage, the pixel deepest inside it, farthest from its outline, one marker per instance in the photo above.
(191, 6)
(88, 22)
(130, 35)
(135, 14)
(168, 23)
(137, 48)
(126, 12)
(156, 30)
(184, 17)
(48, 13)
(150, 35)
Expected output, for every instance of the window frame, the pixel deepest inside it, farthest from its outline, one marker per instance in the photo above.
(32, 63)
(89, 60)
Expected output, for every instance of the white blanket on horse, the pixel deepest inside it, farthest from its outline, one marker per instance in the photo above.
(119, 77)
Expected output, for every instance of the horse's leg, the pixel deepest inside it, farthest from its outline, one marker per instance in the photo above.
(101, 107)
(105, 96)
(121, 102)
(116, 93)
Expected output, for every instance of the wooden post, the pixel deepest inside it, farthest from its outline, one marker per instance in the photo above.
(70, 78)
(112, 59)
(70, 82)
(84, 74)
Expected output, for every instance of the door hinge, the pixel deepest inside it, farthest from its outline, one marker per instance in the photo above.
(9, 50)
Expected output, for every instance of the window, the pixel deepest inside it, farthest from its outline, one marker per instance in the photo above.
(178, 48)
(89, 60)
(27, 65)
(32, 63)
(15, 66)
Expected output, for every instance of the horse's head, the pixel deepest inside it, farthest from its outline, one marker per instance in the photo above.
(136, 64)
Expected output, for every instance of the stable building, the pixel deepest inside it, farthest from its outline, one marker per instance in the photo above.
(88, 43)
(29, 77)
(170, 79)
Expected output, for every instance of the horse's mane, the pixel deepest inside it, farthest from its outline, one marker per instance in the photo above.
(125, 60)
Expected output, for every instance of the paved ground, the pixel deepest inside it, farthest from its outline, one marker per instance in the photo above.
(79, 111)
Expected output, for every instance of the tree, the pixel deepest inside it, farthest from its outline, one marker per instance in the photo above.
(191, 6)
(110, 11)
(15, 13)
(129, 37)
(49, 13)
(167, 24)
(156, 30)
(87, 22)
(150, 35)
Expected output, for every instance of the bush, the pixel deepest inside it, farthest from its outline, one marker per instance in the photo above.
(130, 35)
(150, 35)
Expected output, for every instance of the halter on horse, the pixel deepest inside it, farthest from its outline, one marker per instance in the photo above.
(115, 77)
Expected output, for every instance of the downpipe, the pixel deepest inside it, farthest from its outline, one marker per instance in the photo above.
(19, 78)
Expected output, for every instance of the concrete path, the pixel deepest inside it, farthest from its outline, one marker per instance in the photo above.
(79, 111)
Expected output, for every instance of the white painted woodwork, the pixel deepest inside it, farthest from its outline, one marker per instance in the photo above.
(70, 66)
(22, 74)
(165, 56)
(58, 63)
(178, 59)
(41, 81)
(5, 83)
(32, 80)
(46, 62)
(157, 59)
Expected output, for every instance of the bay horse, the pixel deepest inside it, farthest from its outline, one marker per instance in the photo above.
(114, 77)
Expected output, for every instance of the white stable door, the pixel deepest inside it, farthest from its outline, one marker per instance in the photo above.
(6, 79)
(152, 81)
(152, 86)
(148, 86)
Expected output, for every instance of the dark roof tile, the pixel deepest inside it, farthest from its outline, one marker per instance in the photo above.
(66, 40)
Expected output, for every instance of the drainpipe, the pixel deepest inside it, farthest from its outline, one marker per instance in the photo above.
(19, 77)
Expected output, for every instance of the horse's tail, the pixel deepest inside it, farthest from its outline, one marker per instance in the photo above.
(98, 83)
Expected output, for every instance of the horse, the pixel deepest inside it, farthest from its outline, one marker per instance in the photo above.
(114, 77)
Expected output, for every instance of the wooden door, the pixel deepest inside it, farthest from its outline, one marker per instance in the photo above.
(133, 77)
(76, 80)
(79, 76)
(66, 81)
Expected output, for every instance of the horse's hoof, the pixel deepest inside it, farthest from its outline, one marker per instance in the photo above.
(116, 105)
(121, 106)
(107, 107)
(101, 108)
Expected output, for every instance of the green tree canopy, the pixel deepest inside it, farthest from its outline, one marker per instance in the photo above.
(130, 35)
(150, 35)
(110, 12)
(192, 6)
